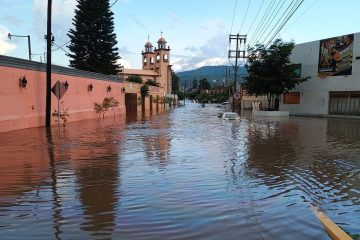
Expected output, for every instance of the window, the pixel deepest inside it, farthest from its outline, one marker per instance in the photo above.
(297, 70)
(158, 57)
(292, 98)
(151, 60)
(165, 57)
(145, 60)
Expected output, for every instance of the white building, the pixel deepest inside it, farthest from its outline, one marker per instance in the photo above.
(334, 87)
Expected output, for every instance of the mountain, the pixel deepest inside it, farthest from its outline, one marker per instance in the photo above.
(216, 75)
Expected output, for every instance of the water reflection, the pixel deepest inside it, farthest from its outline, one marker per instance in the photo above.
(96, 170)
(182, 174)
(270, 145)
(56, 199)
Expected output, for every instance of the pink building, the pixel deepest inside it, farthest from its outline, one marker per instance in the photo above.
(22, 104)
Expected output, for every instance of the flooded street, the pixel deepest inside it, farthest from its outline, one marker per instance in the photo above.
(182, 174)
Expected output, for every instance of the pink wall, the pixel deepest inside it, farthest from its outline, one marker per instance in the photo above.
(25, 107)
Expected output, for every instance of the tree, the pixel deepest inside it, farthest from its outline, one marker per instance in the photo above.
(151, 82)
(107, 104)
(92, 40)
(204, 84)
(174, 82)
(270, 71)
(195, 84)
(135, 79)
(144, 92)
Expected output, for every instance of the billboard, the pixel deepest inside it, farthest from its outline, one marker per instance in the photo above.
(335, 56)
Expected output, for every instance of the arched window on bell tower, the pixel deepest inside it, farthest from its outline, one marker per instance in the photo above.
(165, 57)
(145, 60)
(158, 57)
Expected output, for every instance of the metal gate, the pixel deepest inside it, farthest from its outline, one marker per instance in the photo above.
(131, 102)
(344, 103)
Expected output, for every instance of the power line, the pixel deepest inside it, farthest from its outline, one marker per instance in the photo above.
(242, 23)
(84, 63)
(301, 15)
(261, 21)
(284, 22)
(287, 11)
(257, 14)
(287, 17)
(272, 19)
(232, 22)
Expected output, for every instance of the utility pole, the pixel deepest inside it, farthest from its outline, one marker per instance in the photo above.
(48, 67)
(184, 92)
(238, 53)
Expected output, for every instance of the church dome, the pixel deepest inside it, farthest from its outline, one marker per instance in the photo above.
(161, 40)
(148, 45)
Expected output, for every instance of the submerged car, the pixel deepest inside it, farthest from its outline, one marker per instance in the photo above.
(229, 116)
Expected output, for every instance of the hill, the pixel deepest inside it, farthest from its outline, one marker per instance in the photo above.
(216, 75)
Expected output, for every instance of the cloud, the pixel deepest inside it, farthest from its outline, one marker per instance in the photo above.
(213, 52)
(62, 14)
(191, 49)
(125, 50)
(12, 20)
(215, 61)
(5, 45)
(219, 24)
(124, 63)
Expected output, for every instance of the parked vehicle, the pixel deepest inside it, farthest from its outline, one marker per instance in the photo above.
(229, 116)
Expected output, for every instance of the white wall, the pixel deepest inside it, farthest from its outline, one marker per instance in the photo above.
(314, 94)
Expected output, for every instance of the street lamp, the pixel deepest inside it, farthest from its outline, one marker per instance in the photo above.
(29, 43)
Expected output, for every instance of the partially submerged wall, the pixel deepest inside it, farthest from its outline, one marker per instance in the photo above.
(25, 107)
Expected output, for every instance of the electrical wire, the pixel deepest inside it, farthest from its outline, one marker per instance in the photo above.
(84, 63)
(254, 36)
(257, 14)
(300, 16)
(272, 19)
(242, 23)
(232, 22)
(284, 22)
(280, 18)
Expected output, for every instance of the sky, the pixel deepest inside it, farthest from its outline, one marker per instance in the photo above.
(197, 31)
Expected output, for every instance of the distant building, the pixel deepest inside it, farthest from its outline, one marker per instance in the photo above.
(155, 65)
(334, 67)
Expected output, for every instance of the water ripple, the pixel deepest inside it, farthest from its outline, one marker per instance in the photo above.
(182, 174)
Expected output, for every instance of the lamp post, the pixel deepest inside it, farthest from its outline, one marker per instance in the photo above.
(29, 42)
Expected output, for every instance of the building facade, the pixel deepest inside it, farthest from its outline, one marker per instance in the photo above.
(155, 65)
(333, 66)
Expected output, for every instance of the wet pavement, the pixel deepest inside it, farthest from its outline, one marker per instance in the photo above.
(182, 174)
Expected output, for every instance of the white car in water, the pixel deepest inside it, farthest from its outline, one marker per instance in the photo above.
(229, 116)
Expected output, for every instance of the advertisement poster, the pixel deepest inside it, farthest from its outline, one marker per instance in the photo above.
(335, 56)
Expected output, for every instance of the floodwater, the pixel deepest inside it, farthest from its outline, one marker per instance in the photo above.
(182, 174)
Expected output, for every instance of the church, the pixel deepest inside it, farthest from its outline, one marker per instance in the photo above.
(155, 65)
